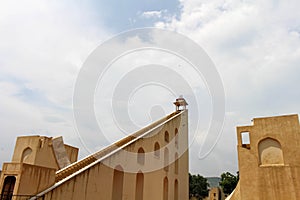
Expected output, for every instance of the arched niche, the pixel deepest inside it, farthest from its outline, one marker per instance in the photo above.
(176, 138)
(167, 137)
(176, 196)
(166, 159)
(176, 163)
(117, 190)
(141, 156)
(25, 154)
(270, 152)
(139, 188)
(166, 189)
(157, 149)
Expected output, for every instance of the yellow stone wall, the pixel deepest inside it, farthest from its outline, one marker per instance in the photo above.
(270, 165)
(34, 164)
(40, 151)
(97, 181)
(30, 179)
(72, 153)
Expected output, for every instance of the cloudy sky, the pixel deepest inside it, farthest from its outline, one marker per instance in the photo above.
(255, 46)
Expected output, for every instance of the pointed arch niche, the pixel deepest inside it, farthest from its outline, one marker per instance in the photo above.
(139, 188)
(26, 153)
(117, 190)
(167, 137)
(141, 156)
(176, 190)
(176, 138)
(157, 149)
(166, 189)
(166, 159)
(270, 152)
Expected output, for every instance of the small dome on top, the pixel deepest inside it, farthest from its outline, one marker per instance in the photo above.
(180, 103)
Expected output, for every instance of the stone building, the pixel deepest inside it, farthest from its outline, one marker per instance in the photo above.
(149, 164)
(269, 159)
(34, 163)
(215, 194)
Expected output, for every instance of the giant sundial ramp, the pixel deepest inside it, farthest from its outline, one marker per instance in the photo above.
(152, 163)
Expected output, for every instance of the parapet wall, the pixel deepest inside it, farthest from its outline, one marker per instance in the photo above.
(269, 158)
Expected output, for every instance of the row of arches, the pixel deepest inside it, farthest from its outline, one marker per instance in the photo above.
(166, 189)
(166, 162)
(118, 180)
(141, 152)
(167, 137)
(141, 158)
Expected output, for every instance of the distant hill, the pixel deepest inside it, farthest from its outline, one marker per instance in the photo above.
(213, 181)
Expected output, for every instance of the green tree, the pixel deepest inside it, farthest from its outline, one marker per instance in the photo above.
(198, 186)
(228, 182)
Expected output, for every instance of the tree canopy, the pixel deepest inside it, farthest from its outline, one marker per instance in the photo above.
(198, 186)
(228, 182)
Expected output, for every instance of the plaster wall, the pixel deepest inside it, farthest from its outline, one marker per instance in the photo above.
(30, 179)
(97, 181)
(72, 153)
(38, 150)
(269, 165)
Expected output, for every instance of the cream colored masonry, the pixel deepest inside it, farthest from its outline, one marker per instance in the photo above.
(269, 159)
(149, 164)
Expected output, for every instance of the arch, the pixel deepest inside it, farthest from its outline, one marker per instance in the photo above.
(176, 163)
(141, 156)
(176, 189)
(176, 138)
(8, 187)
(139, 187)
(166, 189)
(167, 137)
(166, 159)
(270, 152)
(25, 154)
(157, 149)
(117, 190)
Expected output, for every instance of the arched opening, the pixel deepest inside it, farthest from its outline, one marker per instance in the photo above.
(176, 138)
(270, 152)
(141, 156)
(8, 188)
(166, 189)
(176, 163)
(167, 137)
(166, 159)
(139, 188)
(26, 154)
(157, 149)
(176, 190)
(117, 190)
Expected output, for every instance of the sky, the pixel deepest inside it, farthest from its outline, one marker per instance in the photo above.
(254, 45)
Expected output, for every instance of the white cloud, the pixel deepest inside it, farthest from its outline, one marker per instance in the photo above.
(254, 44)
(256, 48)
(155, 15)
(152, 14)
(42, 47)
